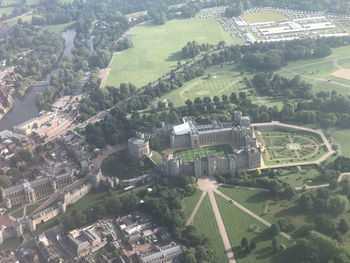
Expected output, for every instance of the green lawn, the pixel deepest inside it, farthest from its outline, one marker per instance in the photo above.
(238, 225)
(43, 227)
(26, 18)
(205, 223)
(217, 150)
(307, 176)
(11, 243)
(343, 138)
(157, 157)
(6, 10)
(264, 16)
(217, 81)
(251, 199)
(31, 208)
(189, 203)
(18, 213)
(156, 48)
(57, 28)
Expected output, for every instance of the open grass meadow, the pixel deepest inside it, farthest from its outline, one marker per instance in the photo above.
(156, 49)
(205, 223)
(189, 203)
(217, 150)
(308, 175)
(343, 138)
(264, 16)
(238, 225)
(6, 10)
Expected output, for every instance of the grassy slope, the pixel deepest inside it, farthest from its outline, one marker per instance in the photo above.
(237, 224)
(205, 223)
(157, 157)
(11, 243)
(189, 203)
(343, 138)
(155, 49)
(217, 150)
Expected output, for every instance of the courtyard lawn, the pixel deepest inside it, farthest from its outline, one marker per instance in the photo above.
(11, 243)
(18, 213)
(264, 16)
(43, 227)
(157, 157)
(217, 150)
(30, 208)
(156, 49)
(343, 138)
(238, 225)
(251, 199)
(205, 223)
(189, 203)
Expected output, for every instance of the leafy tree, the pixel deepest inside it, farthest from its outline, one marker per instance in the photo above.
(343, 226)
(244, 242)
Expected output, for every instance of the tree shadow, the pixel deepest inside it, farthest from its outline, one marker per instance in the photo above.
(174, 56)
(258, 197)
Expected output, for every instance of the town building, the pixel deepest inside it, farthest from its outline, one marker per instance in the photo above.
(163, 254)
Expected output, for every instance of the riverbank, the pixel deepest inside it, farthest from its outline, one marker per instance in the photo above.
(23, 109)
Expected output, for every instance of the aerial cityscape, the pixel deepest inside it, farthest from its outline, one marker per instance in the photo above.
(153, 131)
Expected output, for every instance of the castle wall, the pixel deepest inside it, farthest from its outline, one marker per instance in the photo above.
(179, 141)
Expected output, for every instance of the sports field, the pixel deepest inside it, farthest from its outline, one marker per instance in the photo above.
(238, 224)
(156, 48)
(343, 138)
(217, 150)
(264, 16)
(205, 223)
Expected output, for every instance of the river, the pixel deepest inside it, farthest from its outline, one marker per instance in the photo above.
(25, 109)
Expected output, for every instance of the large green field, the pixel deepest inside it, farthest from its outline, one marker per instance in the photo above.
(264, 16)
(59, 28)
(319, 71)
(156, 48)
(343, 138)
(238, 225)
(205, 223)
(217, 150)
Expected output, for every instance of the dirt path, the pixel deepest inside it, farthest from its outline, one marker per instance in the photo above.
(222, 229)
(194, 212)
(16, 17)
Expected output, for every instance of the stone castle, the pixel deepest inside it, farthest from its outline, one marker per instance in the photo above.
(238, 134)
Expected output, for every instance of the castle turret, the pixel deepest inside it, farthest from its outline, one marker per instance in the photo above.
(19, 228)
(173, 166)
(211, 163)
(96, 178)
(237, 115)
(197, 165)
(2, 229)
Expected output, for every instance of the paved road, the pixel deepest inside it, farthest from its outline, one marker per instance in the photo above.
(222, 229)
(255, 216)
(194, 212)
